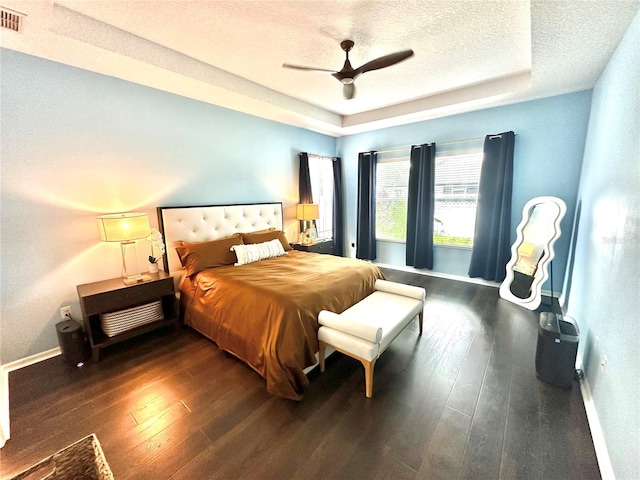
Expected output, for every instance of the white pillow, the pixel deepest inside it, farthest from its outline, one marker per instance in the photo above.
(258, 251)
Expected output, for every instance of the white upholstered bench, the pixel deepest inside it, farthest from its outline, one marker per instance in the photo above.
(366, 329)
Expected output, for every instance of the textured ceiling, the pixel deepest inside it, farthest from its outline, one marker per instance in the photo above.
(468, 54)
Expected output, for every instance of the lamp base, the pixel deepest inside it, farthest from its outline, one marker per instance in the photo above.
(133, 279)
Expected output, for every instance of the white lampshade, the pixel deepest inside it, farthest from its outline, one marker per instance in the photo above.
(307, 211)
(123, 227)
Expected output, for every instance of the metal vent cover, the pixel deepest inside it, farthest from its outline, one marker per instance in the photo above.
(10, 19)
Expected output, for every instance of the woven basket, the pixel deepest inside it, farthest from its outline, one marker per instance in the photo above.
(81, 460)
(115, 323)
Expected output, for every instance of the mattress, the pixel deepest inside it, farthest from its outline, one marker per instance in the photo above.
(265, 313)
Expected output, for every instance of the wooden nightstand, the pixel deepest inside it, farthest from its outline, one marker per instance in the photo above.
(112, 297)
(321, 246)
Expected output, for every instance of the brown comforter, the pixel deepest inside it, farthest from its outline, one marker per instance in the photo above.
(265, 313)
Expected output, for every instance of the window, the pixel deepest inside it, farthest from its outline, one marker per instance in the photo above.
(456, 196)
(321, 173)
(392, 187)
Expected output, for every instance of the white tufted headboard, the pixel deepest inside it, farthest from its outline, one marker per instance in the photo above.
(204, 223)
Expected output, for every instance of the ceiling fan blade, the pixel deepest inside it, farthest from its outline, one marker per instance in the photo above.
(383, 62)
(300, 67)
(349, 90)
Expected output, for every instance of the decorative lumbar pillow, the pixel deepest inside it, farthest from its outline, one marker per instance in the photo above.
(258, 251)
(262, 236)
(199, 256)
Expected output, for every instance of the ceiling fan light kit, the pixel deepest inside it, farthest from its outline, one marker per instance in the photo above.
(348, 74)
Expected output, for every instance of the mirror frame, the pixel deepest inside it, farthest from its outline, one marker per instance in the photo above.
(541, 274)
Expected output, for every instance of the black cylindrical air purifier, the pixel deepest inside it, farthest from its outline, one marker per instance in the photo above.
(72, 343)
(557, 349)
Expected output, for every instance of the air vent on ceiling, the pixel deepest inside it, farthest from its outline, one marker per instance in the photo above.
(10, 19)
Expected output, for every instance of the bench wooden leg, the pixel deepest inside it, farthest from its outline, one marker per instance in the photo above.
(420, 318)
(321, 349)
(368, 376)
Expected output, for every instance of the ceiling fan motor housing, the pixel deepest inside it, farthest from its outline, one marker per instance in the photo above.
(347, 45)
(346, 75)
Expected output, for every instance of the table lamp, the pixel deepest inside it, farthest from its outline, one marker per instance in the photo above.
(307, 212)
(126, 228)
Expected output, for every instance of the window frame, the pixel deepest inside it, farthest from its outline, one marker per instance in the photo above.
(446, 153)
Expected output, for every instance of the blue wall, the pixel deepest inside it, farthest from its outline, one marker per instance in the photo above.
(548, 156)
(603, 281)
(76, 144)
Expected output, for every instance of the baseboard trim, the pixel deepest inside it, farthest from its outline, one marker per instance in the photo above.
(30, 360)
(599, 443)
(448, 276)
(5, 430)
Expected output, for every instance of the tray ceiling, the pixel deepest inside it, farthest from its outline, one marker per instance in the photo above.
(468, 55)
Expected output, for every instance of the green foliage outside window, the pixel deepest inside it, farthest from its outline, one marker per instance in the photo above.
(391, 224)
(391, 219)
(453, 241)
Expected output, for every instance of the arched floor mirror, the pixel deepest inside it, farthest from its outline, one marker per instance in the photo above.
(533, 251)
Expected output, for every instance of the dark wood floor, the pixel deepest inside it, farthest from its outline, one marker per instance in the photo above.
(462, 401)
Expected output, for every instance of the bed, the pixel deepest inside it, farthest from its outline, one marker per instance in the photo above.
(263, 312)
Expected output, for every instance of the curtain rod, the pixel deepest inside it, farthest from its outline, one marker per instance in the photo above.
(408, 147)
(319, 156)
(397, 149)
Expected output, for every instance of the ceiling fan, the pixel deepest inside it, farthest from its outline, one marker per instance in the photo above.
(348, 74)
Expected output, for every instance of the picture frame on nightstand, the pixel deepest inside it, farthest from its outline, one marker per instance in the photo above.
(313, 234)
